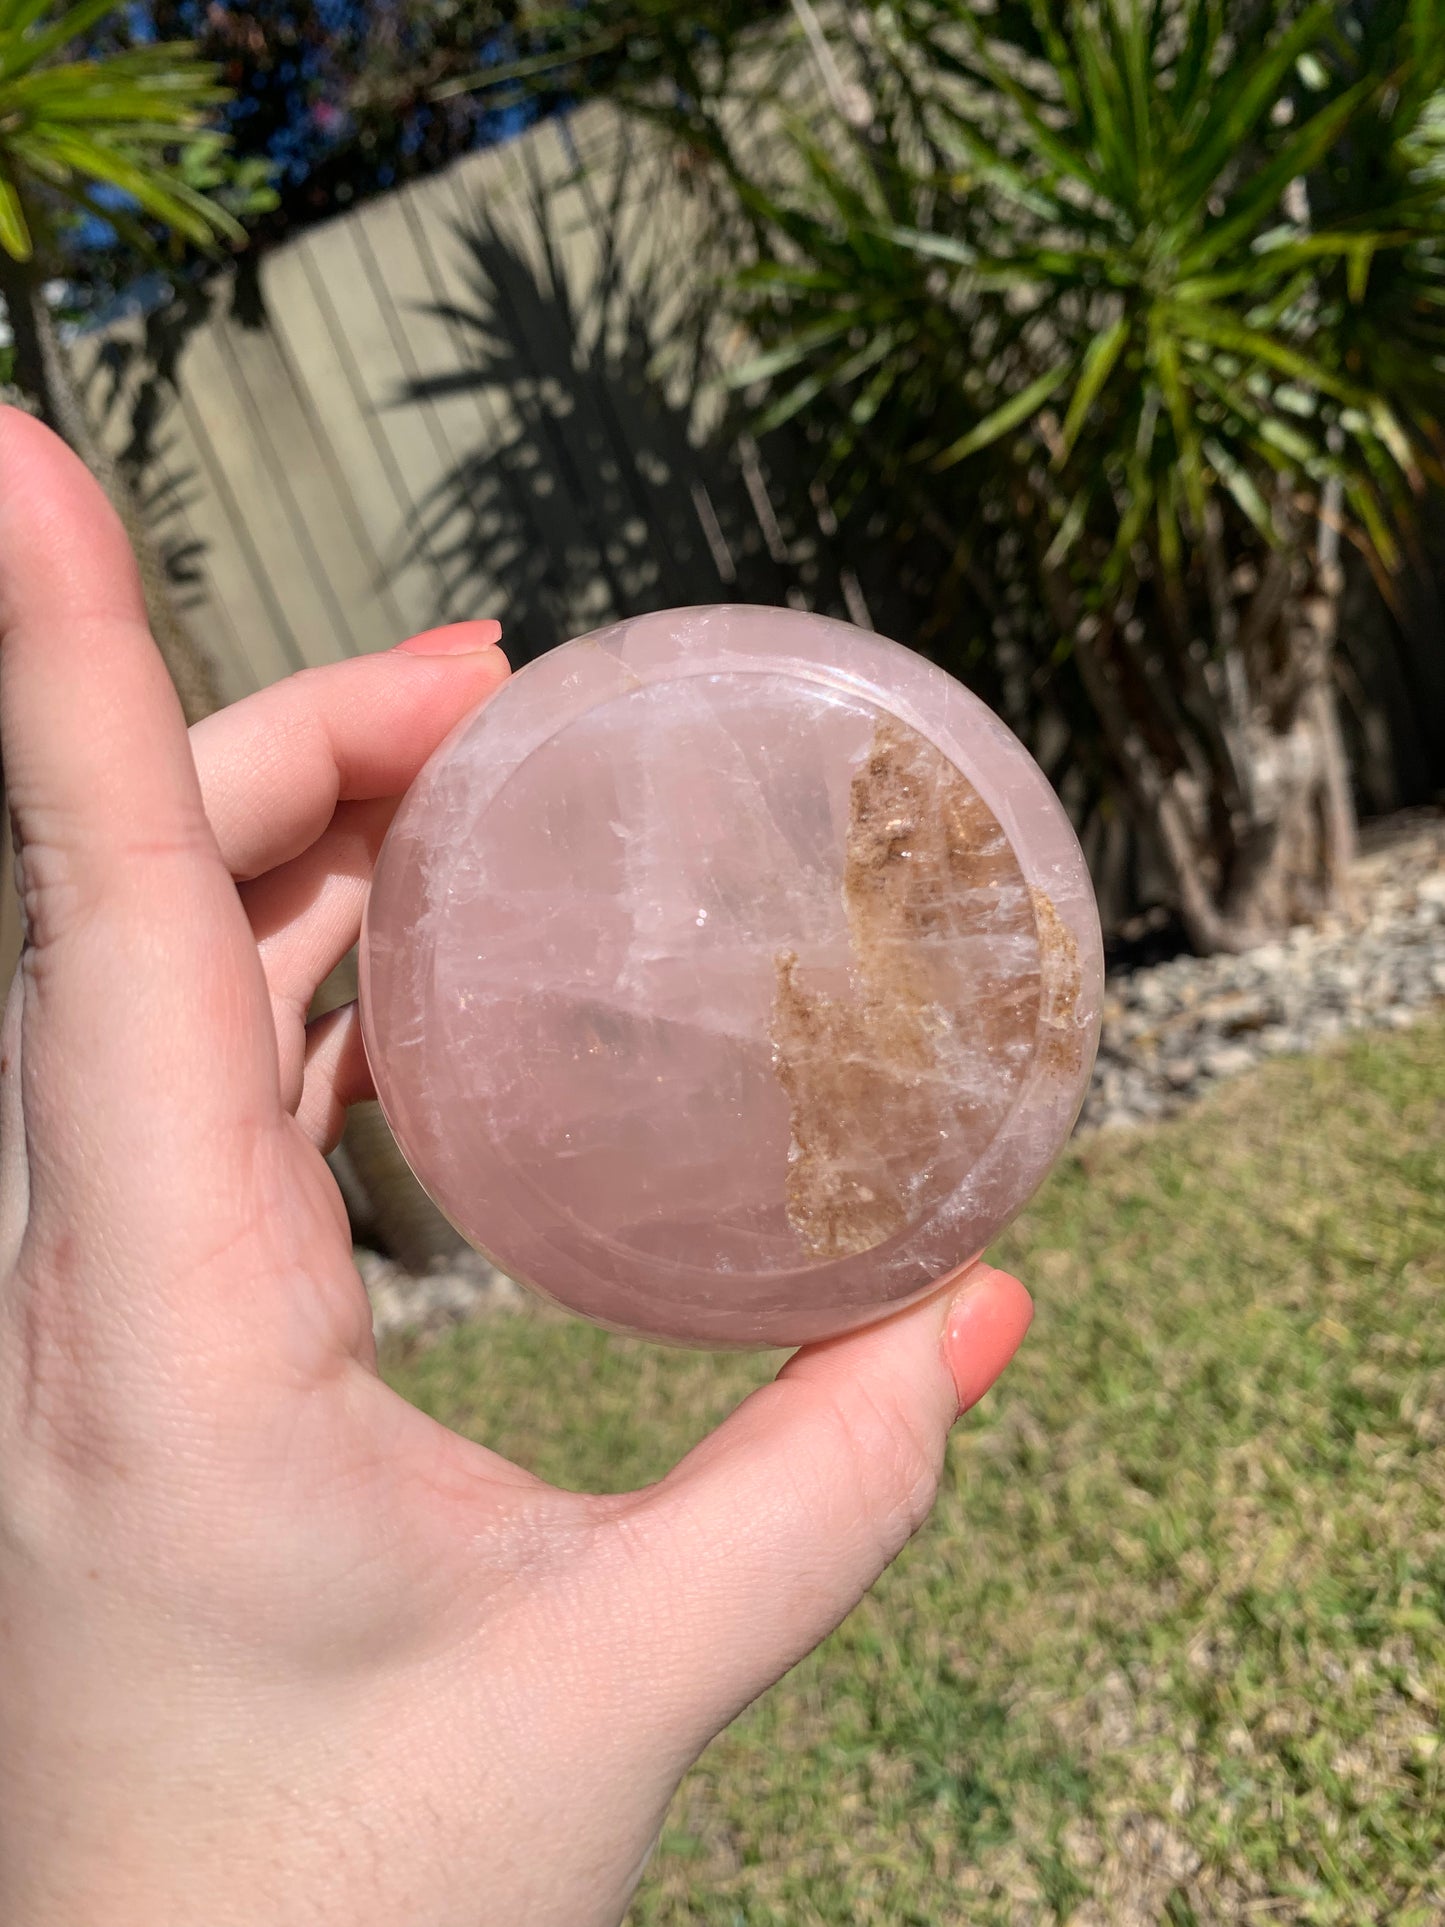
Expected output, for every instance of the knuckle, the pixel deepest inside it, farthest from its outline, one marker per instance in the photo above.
(52, 900)
(65, 875)
(304, 705)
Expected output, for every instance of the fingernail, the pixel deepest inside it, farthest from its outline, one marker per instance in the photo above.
(457, 639)
(985, 1327)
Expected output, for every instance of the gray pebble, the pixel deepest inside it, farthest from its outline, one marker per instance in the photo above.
(1172, 1031)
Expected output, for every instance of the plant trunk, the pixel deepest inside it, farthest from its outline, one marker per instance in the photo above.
(43, 375)
(406, 1223)
(1259, 834)
(1293, 863)
(1289, 865)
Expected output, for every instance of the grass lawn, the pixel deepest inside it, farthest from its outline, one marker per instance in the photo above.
(1171, 1648)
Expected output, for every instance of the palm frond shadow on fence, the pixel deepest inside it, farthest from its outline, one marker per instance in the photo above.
(607, 495)
(131, 382)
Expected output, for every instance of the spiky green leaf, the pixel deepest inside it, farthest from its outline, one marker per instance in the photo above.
(1007, 416)
(20, 52)
(160, 191)
(1098, 364)
(14, 228)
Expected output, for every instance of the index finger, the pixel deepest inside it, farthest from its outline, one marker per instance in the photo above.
(274, 766)
(137, 940)
(96, 758)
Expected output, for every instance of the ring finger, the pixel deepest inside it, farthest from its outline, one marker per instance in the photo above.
(337, 1075)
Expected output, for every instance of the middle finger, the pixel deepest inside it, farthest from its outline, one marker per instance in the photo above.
(306, 915)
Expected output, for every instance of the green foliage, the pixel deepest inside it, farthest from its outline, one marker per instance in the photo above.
(620, 47)
(244, 186)
(1122, 265)
(133, 124)
(1103, 323)
(675, 63)
(1172, 1639)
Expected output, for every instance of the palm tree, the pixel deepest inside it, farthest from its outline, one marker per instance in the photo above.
(109, 137)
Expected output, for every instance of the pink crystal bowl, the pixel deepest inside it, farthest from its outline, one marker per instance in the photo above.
(731, 977)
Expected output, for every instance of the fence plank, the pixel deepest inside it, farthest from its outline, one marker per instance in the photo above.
(515, 573)
(448, 523)
(241, 470)
(321, 519)
(530, 379)
(174, 495)
(308, 287)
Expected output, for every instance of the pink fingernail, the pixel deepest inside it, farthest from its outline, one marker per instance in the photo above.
(985, 1327)
(457, 639)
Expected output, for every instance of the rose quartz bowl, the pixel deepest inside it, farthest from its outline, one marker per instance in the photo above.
(731, 977)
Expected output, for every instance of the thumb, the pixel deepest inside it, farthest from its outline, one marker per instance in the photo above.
(767, 1535)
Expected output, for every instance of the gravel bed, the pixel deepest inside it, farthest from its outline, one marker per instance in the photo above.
(464, 1288)
(1171, 1031)
(1174, 1030)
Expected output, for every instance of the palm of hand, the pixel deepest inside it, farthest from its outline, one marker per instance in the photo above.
(278, 1647)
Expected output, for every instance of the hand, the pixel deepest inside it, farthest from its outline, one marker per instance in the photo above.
(275, 1647)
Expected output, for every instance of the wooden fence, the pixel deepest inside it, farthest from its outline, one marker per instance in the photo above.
(488, 393)
(471, 397)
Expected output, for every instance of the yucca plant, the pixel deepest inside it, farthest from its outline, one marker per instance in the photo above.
(118, 136)
(1139, 303)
